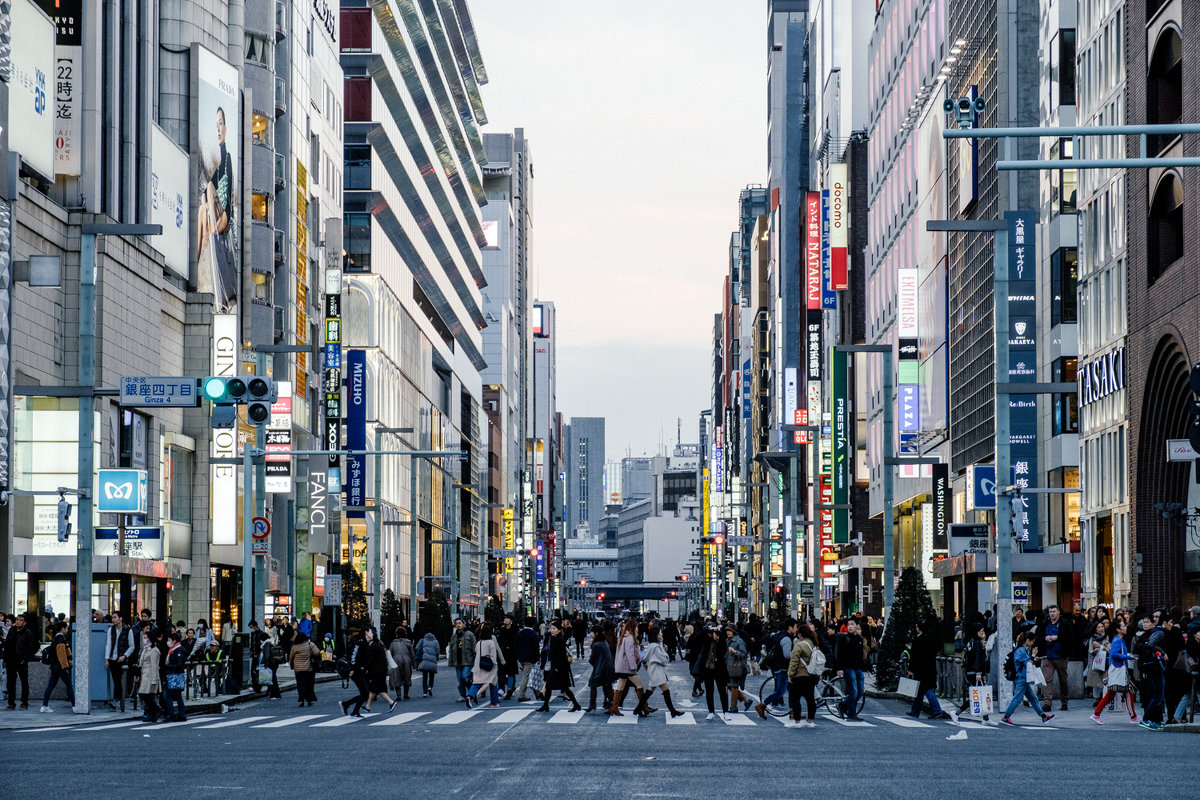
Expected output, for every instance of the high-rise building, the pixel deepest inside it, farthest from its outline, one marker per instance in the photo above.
(584, 462)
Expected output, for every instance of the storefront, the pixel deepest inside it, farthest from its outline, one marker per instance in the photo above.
(1039, 579)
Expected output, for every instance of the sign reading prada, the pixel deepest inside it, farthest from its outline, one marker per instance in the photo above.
(1102, 376)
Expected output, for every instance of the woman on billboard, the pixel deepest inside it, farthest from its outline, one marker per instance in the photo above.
(215, 221)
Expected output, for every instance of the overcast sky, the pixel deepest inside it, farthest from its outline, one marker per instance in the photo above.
(646, 118)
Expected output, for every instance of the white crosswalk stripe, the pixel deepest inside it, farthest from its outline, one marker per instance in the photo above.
(973, 726)
(192, 721)
(336, 722)
(51, 728)
(735, 719)
(230, 723)
(686, 719)
(509, 717)
(283, 723)
(455, 717)
(624, 719)
(849, 723)
(569, 717)
(400, 719)
(903, 722)
(113, 725)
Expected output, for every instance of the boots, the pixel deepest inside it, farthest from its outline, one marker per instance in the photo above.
(591, 701)
(614, 710)
(545, 707)
(670, 706)
(643, 696)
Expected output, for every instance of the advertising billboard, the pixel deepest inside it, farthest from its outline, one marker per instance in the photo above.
(216, 148)
(812, 250)
(356, 430)
(839, 223)
(68, 83)
(170, 200)
(31, 85)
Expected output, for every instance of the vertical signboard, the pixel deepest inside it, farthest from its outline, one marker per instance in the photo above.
(843, 451)
(68, 83)
(216, 145)
(941, 505)
(331, 380)
(828, 296)
(1022, 352)
(356, 430)
(301, 270)
(169, 200)
(812, 251)
(829, 568)
(31, 87)
(279, 439)
(510, 538)
(839, 219)
(318, 509)
(224, 482)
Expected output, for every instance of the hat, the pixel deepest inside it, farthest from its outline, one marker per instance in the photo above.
(1194, 611)
(329, 636)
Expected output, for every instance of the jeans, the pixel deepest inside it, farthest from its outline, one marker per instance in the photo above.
(463, 673)
(926, 693)
(522, 679)
(495, 693)
(1153, 700)
(1181, 709)
(854, 690)
(57, 674)
(776, 697)
(174, 702)
(1021, 689)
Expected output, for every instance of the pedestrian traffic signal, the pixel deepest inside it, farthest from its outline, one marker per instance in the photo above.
(64, 519)
(260, 394)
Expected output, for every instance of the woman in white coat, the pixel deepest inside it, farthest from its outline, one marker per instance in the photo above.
(486, 668)
(656, 669)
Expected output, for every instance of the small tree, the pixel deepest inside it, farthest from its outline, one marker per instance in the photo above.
(435, 616)
(354, 599)
(911, 604)
(389, 615)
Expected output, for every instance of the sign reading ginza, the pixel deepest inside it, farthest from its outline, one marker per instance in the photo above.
(1022, 351)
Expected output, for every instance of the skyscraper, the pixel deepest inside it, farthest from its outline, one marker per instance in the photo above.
(584, 460)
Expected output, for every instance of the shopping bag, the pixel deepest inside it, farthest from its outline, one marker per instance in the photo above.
(981, 701)
(1033, 675)
(909, 688)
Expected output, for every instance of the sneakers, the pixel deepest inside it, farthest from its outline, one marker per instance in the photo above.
(1096, 719)
(47, 710)
(391, 706)
(725, 716)
(1046, 718)
(710, 717)
(940, 715)
(1008, 722)
(911, 714)
(493, 705)
(1157, 727)
(1134, 719)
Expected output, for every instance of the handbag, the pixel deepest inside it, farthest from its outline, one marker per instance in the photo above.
(177, 680)
(1099, 660)
(1033, 675)
(981, 700)
(537, 679)
(1117, 678)
(1185, 663)
(486, 664)
(909, 687)
(391, 662)
(265, 675)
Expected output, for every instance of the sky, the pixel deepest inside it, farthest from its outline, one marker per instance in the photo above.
(645, 120)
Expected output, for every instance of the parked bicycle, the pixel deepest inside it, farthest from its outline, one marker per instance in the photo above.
(831, 695)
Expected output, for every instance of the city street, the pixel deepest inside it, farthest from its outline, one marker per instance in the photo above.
(515, 752)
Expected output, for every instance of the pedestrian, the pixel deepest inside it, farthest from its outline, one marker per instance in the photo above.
(60, 665)
(1097, 658)
(1024, 662)
(850, 657)
(204, 635)
(1054, 641)
(1117, 674)
(20, 645)
(1152, 666)
(176, 679)
(426, 658)
(403, 656)
(579, 631)
(506, 640)
(377, 670)
(626, 662)
(778, 652)
(558, 672)
(358, 674)
(257, 641)
(528, 647)
(923, 668)
(713, 672)
(656, 661)
(485, 671)
(120, 645)
(803, 671)
(696, 638)
(976, 663)
(601, 659)
(306, 625)
(150, 678)
(737, 665)
(303, 659)
(461, 655)
(1187, 665)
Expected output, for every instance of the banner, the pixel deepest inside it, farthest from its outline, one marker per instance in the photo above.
(828, 296)
(356, 431)
(843, 447)
(1022, 356)
(839, 218)
(31, 87)
(812, 250)
(216, 145)
(278, 435)
(941, 505)
(68, 83)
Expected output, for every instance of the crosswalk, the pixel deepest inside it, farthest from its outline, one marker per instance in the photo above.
(510, 716)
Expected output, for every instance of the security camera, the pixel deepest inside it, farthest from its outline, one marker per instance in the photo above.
(964, 109)
(980, 105)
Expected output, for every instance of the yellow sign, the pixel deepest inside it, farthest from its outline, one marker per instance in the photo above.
(509, 537)
(704, 529)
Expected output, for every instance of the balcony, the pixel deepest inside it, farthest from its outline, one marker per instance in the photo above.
(262, 239)
(357, 99)
(262, 168)
(260, 18)
(356, 30)
(281, 97)
(259, 80)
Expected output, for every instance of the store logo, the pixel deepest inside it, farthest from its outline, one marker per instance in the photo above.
(118, 491)
(1019, 328)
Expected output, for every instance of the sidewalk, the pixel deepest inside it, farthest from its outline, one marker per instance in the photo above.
(100, 713)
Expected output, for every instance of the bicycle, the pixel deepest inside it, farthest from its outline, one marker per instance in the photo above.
(831, 695)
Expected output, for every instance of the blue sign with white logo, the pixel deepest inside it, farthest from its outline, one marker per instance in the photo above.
(356, 430)
(139, 542)
(983, 485)
(122, 491)
(910, 407)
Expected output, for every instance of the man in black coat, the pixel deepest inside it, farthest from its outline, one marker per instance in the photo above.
(923, 669)
(20, 645)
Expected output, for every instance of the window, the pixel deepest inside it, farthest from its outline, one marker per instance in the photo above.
(1066, 406)
(1164, 229)
(260, 208)
(358, 242)
(260, 129)
(1064, 183)
(358, 166)
(1164, 87)
(259, 50)
(1062, 69)
(181, 465)
(1063, 287)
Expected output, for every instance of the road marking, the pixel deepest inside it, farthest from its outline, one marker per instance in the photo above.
(515, 715)
(973, 726)
(283, 723)
(52, 728)
(862, 723)
(624, 719)
(686, 719)
(735, 719)
(903, 722)
(231, 723)
(455, 717)
(569, 717)
(192, 721)
(113, 725)
(1038, 727)
(400, 719)
(337, 721)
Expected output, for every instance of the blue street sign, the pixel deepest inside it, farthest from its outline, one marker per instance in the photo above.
(139, 542)
(122, 491)
(169, 391)
(983, 485)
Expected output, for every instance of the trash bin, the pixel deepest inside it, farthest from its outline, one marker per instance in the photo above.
(238, 674)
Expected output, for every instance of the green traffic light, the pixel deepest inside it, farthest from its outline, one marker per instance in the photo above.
(214, 388)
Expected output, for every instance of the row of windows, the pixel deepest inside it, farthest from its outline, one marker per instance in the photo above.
(1103, 468)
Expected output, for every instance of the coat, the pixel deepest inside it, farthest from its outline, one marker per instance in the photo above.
(428, 652)
(802, 651)
(304, 656)
(656, 664)
(151, 663)
(506, 638)
(403, 655)
(377, 667)
(718, 670)
(558, 664)
(737, 662)
(628, 658)
(601, 660)
(924, 660)
(479, 675)
(461, 652)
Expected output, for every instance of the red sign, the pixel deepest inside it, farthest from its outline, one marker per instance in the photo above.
(828, 551)
(812, 250)
(801, 418)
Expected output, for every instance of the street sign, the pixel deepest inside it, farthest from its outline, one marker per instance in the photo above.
(807, 590)
(333, 590)
(1020, 590)
(968, 538)
(139, 542)
(1181, 450)
(504, 553)
(163, 391)
(122, 491)
(739, 541)
(981, 482)
(261, 531)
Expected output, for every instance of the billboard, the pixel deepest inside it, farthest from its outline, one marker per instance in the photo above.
(812, 250)
(356, 430)
(843, 446)
(839, 223)
(170, 200)
(216, 147)
(68, 83)
(30, 100)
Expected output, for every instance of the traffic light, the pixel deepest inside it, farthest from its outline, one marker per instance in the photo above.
(713, 540)
(1194, 409)
(225, 394)
(260, 394)
(64, 519)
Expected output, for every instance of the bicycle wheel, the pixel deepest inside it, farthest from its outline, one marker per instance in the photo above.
(781, 708)
(833, 692)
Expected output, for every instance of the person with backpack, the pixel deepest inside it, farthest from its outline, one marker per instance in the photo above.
(426, 659)
(60, 665)
(923, 669)
(805, 666)
(778, 654)
(1016, 668)
(1117, 676)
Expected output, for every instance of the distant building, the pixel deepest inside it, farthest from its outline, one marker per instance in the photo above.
(584, 464)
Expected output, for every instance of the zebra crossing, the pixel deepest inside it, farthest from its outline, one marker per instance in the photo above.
(510, 716)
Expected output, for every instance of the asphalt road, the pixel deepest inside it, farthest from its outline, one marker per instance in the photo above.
(273, 749)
